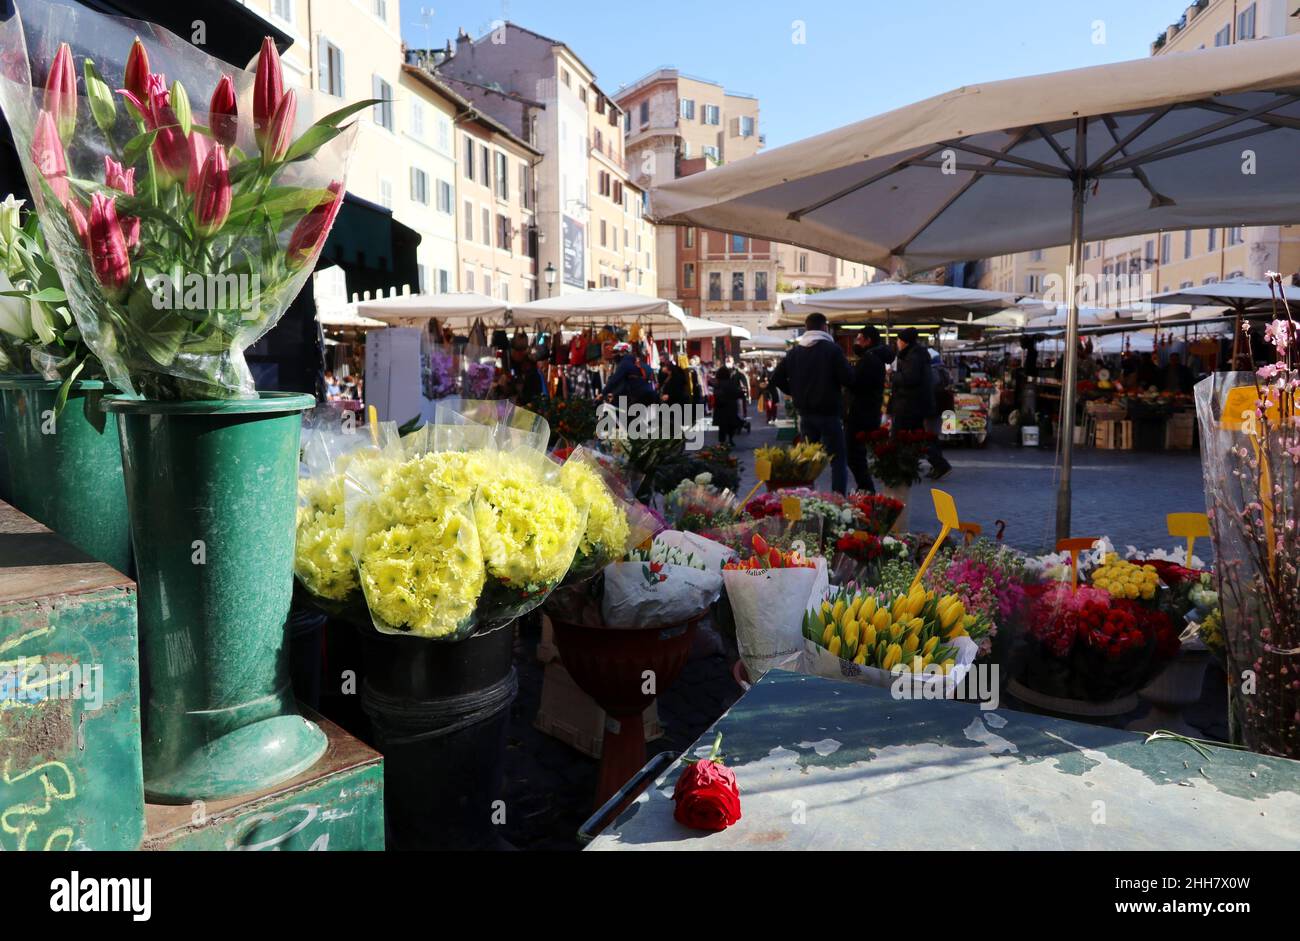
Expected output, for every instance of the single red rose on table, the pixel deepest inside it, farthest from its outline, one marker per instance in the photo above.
(706, 794)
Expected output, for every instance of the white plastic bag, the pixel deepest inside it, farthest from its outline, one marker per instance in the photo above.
(818, 661)
(768, 606)
(661, 588)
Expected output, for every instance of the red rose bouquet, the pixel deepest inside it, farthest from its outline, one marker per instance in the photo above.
(896, 456)
(878, 512)
(706, 795)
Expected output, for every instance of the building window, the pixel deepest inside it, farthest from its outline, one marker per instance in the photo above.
(688, 108)
(1246, 23)
(738, 245)
(1187, 243)
(715, 285)
(485, 165)
(1149, 253)
(283, 9)
(417, 117)
(644, 113)
(444, 134)
(1214, 240)
(383, 109)
(487, 285)
(445, 197)
(526, 186)
(422, 278)
(505, 234)
(746, 127)
(444, 280)
(1212, 279)
(1036, 255)
(564, 77)
(582, 94)
(1033, 284)
(738, 285)
(469, 222)
(803, 263)
(1087, 250)
(1223, 36)
(503, 176)
(1166, 248)
(505, 290)
(380, 9)
(487, 227)
(688, 237)
(760, 285)
(712, 154)
(469, 280)
(603, 230)
(469, 158)
(712, 115)
(331, 68)
(688, 275)
(419, 186)
(1236, 235)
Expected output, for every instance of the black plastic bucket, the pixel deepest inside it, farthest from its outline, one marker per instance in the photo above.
(439, 713)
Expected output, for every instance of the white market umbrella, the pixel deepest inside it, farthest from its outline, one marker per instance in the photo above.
(604, 306)
(760, 340)
(346, 317)
(698, 328)
(459, 307)
(1059, 318)
(883, 301)
(1242, 297)
(1102, 152)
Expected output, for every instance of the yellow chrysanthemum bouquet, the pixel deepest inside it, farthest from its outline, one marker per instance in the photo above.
(334, 445)
(616, 522)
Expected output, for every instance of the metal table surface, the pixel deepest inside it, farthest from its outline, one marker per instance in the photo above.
(824, 765)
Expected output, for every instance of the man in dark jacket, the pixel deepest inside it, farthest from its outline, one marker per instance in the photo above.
(813, 374)
(866, 399)
(632, 379)
(913, 398)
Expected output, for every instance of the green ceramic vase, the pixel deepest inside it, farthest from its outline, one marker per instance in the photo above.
(66, 472)
(212, 492)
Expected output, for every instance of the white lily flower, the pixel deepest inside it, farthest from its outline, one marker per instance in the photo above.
(15, 312)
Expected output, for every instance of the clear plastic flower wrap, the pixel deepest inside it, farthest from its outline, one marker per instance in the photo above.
(415, 539)
(615, 523)
(529, 527)
(334, 446)
(184, 202)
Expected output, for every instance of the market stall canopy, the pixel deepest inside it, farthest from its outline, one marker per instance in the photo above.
(698, 328)
(604, 306)
(1046, 318)
(345, 318)
(883, 301)
(760, 340)
(1238, 294)
(987, 169)
(464, 307)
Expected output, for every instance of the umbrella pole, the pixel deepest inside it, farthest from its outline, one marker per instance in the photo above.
(1068, 374)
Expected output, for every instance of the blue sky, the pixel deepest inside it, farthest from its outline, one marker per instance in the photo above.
(859, 58)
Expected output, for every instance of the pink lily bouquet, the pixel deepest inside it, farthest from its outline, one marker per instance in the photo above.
(182, 230)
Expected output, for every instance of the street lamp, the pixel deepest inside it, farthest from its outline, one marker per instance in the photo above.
(550, 274)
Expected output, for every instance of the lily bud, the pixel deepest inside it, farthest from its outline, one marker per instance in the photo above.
(137, 74)
(61, 92)
(311, 231)
(280, 134)
(200, 147)
(119, 178)
(268, 90)
(108, 254)
(180, 101)
(171, 148)
(212, 194)
(223, 112)
(80, 224)
(102, 106)
(48, 155)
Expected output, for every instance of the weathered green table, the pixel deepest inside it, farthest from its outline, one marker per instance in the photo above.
(829, 765)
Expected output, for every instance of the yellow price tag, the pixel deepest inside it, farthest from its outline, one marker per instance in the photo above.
(946, 510)
(372, 415)
(792, 509)
(1189, 526)
(762, 469)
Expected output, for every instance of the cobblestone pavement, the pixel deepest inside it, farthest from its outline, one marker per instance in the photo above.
(550, 786)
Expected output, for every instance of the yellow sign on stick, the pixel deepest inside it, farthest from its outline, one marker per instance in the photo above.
(946, 510)
(1074, 547)
(791, 509)
(763, 471)
(372, 414)
(1189, 526)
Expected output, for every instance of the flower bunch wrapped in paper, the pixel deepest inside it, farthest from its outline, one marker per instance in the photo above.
(797, 465)
(668, 583)
(184, 202)
(616, 522)
(858, 556)
(769, 589)
(991, 581)
(334, 447)
(867, 637)
(837, 517)
(877, 513)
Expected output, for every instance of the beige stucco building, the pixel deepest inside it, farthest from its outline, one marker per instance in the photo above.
(677, 125)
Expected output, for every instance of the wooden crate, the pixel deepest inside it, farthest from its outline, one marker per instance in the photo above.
(1114, 436)
(70, 770)
(569, 714)
(1180, 431)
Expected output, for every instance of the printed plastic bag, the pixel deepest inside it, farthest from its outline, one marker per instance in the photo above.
(768, 606)
(668, 584)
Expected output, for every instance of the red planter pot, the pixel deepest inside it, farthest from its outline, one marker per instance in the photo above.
(610, 665)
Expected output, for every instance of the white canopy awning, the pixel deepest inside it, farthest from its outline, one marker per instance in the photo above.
(883, 300)
(698, 328)
(603, 306)
(1056, 319)
(1235, 294)
(766, 341)
(460, 307)
(344, 317)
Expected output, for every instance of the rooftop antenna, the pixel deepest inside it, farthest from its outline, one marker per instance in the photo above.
(426, 20)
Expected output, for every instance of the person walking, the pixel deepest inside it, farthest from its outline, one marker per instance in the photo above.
(913, 398)
(866, 401)
(814, 374)
(727, 397)
(674, 386)
(631, 379)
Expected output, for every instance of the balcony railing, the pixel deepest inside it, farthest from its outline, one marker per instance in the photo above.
(610, 152)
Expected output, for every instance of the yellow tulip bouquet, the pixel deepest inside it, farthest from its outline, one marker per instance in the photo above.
(877, 640)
